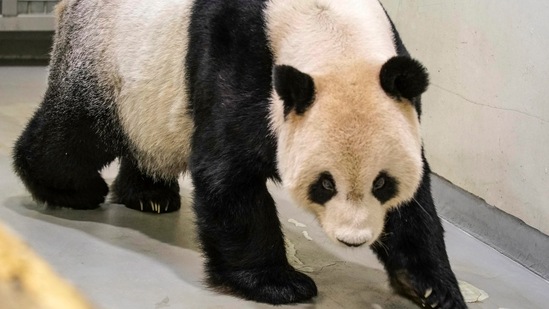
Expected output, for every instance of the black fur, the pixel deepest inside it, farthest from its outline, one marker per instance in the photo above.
(234, 154)
(76, 132)
(295, 88)
(414, 254)
(317, 191)
(142, 192)
(389, 189)
(403, 77)
(61, 151)
(403, 51)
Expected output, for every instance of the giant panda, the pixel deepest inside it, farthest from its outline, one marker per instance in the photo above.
(320, 96)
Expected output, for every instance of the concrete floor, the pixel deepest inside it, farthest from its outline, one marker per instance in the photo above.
(120, 258)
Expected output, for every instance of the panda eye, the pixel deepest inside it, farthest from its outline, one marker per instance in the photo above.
(384, 187)
(378, 183)
(328, 184)
(322, 189)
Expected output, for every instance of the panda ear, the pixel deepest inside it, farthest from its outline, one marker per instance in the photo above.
(404, 77)
(294, 87)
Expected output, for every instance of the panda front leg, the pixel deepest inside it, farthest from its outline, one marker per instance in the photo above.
(139, 191)
(242, 240)
(413, 252)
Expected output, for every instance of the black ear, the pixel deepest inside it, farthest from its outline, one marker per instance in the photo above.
(404, 77)
(295, 88)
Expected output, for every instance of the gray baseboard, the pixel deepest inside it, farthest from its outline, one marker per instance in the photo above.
(25, 46)
(505, 233)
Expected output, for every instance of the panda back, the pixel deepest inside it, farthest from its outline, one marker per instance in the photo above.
(314, 36)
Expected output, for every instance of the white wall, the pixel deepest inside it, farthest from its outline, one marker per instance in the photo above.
(486, 113)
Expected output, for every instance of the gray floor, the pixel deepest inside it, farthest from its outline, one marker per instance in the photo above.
(120, 258)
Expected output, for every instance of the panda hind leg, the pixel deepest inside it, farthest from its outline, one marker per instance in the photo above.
(139, 191)
(59, 159)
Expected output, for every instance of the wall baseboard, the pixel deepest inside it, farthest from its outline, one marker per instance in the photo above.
(25, 46)
(505, 233)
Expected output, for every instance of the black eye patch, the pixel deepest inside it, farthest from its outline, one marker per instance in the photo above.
(384, 187)
(322, 189)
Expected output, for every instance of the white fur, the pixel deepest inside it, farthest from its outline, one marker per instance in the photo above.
(149, 45)
(354, 129)
(139, 47)
(314, 36)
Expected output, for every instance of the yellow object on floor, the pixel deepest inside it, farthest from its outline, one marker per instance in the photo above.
(26, 281)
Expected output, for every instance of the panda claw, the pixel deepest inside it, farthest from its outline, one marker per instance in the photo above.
(155, 200)
(428, 292)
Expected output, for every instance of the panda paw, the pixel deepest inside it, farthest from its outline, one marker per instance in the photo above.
(429, 291)
(276, 285)
(155, 200)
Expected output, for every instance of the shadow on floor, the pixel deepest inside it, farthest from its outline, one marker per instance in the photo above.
(341, 284)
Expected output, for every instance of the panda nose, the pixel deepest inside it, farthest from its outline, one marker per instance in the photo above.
(350, 244)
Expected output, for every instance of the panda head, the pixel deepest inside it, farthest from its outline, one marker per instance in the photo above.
(349, 145)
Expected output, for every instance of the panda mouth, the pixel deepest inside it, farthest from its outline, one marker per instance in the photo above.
(348, 244)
